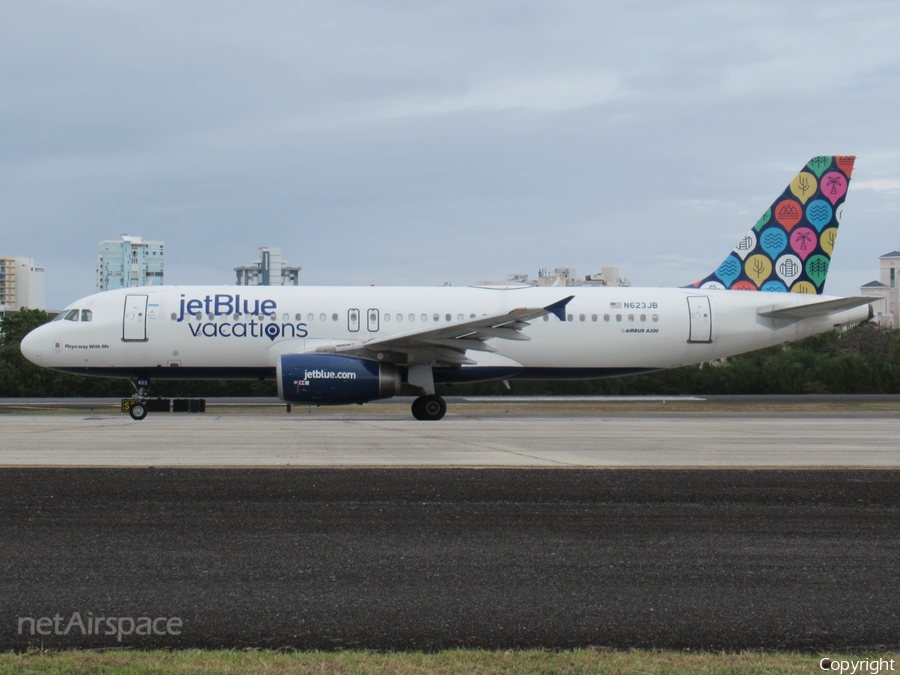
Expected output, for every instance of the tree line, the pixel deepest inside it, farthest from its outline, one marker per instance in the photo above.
(21, 378)
(862, 360)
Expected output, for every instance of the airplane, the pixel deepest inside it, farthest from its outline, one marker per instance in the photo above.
(349, 345)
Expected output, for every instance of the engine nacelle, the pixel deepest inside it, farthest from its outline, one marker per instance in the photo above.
(333, 379)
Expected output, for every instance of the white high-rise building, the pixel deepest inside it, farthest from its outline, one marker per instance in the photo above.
(887, 309)
(129, 262)
(269, 270)
(21, 284)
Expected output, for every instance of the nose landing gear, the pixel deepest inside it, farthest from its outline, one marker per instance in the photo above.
(430, 407)
(138, 411)
(138, 408)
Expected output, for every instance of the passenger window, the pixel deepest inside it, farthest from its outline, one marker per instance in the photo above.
(297, 316)
(310, 317)
(618, 317)
(424, 318)
(387, 317)
(285, 317)
(86, 315)
(631, 317)
(174, 316)
(72, 315)
(606, 317)
(471, 316)
(569, 317)
(581, 317)
(334, 317)
(594, 318)
(322, 316)
(437, 317)
(643, 317)
(460, 317)
(546, 317)
(656, 317)
(399, 318)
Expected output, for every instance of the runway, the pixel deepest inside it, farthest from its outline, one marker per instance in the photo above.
(377, 439)
(490, 529)
(438, 558)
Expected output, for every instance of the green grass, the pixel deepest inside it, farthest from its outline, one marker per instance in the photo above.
(472, 662)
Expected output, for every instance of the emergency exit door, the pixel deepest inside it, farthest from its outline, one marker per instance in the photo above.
(134, 321)
(373, 320)
(353, 320)
(701, 319)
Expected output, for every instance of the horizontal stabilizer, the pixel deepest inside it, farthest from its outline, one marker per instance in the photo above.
(813, 309)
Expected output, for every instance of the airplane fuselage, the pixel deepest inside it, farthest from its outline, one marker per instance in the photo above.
(241, 332)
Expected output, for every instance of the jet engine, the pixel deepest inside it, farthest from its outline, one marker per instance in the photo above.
(334, 379)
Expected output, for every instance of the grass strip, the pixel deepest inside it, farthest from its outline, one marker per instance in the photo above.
(450, 662)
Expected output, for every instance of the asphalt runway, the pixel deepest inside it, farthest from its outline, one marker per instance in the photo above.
(437, 558)
(521, 439)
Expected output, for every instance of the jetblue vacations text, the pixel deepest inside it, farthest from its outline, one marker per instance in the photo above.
(225, 305)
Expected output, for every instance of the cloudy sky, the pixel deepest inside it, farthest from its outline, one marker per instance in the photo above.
(424, 142)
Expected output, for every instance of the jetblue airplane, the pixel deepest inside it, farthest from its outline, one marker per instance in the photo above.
(343, 345)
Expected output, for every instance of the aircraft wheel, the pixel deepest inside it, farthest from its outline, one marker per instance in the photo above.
(417, 408)
(433, 407)
(138, 411)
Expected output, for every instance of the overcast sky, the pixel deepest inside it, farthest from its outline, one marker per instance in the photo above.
(423, 142)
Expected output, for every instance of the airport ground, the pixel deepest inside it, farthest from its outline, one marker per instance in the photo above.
(581, 432)
(726, 528)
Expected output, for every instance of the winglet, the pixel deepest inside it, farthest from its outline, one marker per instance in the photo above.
(558, 309)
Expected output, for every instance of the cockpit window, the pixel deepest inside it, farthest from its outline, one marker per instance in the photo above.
(72, 315)
(86, 315)
(60, 316)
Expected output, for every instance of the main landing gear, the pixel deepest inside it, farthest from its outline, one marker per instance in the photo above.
(430, 407)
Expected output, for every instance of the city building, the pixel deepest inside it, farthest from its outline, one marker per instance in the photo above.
(887, 289)
(561, 276)
(269, 270)
(608, 276)
(21, 284)
(129, 262)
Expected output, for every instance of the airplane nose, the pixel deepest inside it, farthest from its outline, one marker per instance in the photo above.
(30, 347)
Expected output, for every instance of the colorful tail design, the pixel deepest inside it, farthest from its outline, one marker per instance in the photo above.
(789, 248)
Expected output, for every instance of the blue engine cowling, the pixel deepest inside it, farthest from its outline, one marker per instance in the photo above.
(332, 378)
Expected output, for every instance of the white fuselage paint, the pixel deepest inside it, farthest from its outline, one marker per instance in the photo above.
(635, 328)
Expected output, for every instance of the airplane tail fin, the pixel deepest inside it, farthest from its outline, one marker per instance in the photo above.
(789, 248)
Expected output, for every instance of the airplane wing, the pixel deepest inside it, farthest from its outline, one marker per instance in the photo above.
(813, 309)
(448, 344)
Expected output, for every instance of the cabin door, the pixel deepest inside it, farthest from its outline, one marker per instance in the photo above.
(134, 321)
(701, 319)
